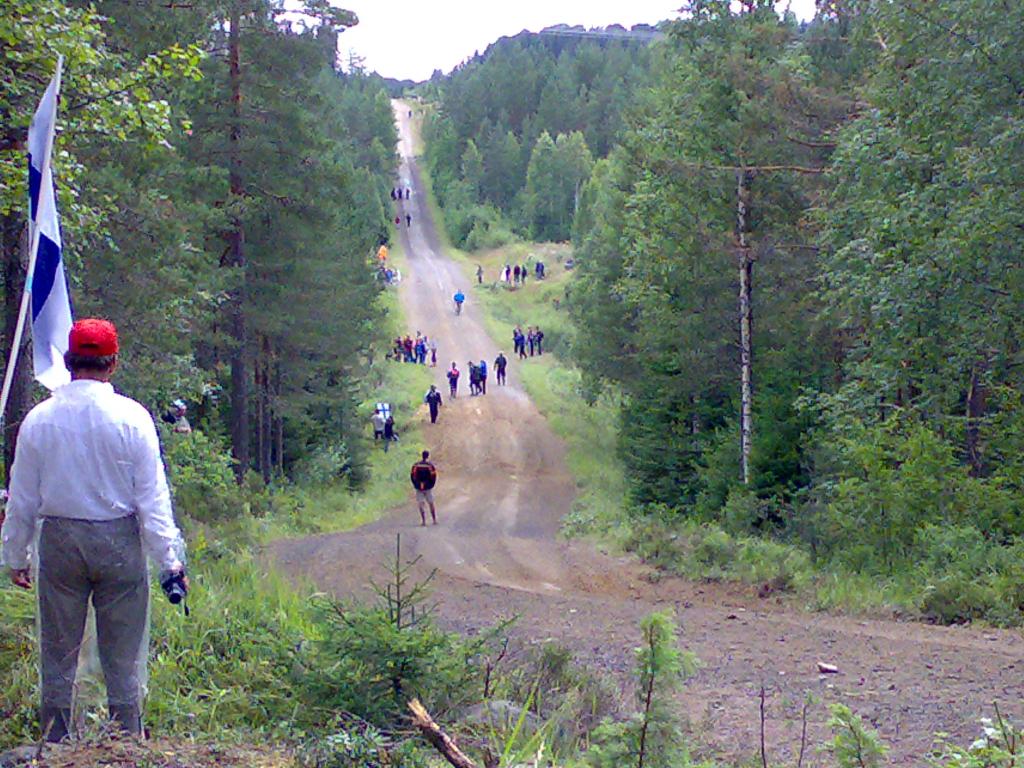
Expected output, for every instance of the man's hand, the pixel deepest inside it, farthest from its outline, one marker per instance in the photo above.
(21, 577)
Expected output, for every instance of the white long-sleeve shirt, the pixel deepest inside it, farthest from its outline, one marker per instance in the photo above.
(89, 453)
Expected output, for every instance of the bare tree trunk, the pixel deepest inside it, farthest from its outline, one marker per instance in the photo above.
(266, 414)
(13, 250)
(976, 402)
(745, 179)
(240, 429)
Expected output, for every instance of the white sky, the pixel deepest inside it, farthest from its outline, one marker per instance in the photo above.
(412, 38)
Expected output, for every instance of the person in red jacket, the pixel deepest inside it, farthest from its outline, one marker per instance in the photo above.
(424, 476)
(453, 381)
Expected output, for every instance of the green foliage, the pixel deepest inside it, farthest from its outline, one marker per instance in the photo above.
(853, 744)
(708, 553)
(650, 737)
(199, 471)
(19, 675)
(1000, 745)
(557, 170)
(494, 119)
(353, 743)
(372, 659)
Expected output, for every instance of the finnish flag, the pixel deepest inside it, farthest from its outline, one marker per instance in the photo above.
(51, 305)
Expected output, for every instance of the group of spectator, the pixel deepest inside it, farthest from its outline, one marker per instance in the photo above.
(532, 340)
(417, 350)
(516, 275)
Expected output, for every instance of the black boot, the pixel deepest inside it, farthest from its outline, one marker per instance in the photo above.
(127, 716)
(55, 723)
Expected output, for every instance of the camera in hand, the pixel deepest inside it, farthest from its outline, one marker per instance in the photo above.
(173, 585)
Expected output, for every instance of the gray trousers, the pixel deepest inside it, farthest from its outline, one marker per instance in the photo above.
(104, 561)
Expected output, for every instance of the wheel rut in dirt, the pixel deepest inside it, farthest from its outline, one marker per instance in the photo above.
(503, 489)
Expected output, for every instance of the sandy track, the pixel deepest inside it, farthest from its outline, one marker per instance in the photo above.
(502, 492)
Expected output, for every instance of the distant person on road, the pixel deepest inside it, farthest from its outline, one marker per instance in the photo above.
(538, 270)
(538, 339)
(408, 219)
(515, 274)
(482, 369)
(407, 191)
(474, 378)
(433, 353)
(479, 275)
(459, 297)
(398, 221)
(453, 381)
(506, 275)
(531, 339)
(424, 476)
(522, 273)
(433, 401)
(500, 364)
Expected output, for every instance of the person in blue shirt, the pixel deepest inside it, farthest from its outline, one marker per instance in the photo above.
(483, 377)
(459, 298)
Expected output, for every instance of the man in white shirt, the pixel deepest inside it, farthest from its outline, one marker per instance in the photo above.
(87, 468)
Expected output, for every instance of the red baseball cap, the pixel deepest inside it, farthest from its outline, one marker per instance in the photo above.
(93, 337)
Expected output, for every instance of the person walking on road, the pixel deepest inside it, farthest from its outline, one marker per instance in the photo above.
(500, 363)
(474, 378)
(390, 436)
(538, 339)
(459, 298)
(433, 353)
(433, 401)
(408, 220)
(479, 275)
(531, 339)
(424, 476)
(482, 373)
(87, 471)
(453, 381)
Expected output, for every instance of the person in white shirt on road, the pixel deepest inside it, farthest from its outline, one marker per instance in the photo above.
(87, 468)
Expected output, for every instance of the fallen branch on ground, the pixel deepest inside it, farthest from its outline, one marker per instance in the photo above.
(440, 740)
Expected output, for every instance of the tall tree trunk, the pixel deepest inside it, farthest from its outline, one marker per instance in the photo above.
(13, 251)
(240, 429)
(266, 411)
(744, 180)
(976, 401)
(278, 423)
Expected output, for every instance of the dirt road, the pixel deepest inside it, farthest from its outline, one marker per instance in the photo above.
(502, 492)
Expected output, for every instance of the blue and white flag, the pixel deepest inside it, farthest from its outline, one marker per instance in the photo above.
(51, 305)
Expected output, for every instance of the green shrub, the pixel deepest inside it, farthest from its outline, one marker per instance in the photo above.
(1001, 745)
(201, 479)
(853, 744)
(706, 552)
(19, 676)
(372, 659)
(650, 737)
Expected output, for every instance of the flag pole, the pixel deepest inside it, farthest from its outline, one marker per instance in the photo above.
(34, 233)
